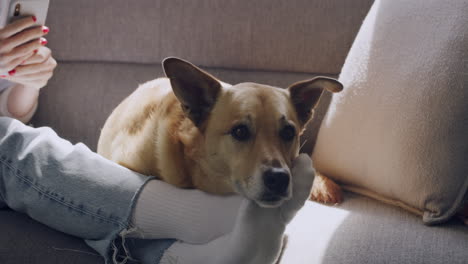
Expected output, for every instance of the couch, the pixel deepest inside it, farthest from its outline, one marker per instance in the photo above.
(105, 48)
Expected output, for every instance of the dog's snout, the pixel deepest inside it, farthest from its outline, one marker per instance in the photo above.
(276, 180)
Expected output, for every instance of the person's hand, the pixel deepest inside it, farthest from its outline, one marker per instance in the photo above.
(23, 58)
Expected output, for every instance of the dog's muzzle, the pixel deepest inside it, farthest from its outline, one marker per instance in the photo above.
(276, 185)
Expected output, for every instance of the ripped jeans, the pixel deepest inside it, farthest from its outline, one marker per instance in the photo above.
(73, 190)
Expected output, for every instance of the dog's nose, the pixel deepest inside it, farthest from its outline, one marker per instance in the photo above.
(276, 180)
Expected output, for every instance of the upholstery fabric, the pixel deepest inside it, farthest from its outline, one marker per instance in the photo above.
(399, 129)
(26, 241)
(363, 230)
(298, 35)
(80, 96)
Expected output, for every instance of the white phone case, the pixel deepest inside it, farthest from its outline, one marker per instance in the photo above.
(11, 10)
(4, 8)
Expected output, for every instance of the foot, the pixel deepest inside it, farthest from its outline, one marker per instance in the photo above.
(257, 235)
(326, 191)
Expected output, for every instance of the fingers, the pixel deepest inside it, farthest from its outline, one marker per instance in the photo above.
(33, 75)
(7, 69)
(35, 83)
(36, 56)
(20, 45)
(42, 54)
(23, 57)
(46, 74)
(42, 65)
(44, 62)
(23, 50)
(8, 44)
(16, 27)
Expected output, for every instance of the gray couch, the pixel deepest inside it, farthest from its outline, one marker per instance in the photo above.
(105, 48)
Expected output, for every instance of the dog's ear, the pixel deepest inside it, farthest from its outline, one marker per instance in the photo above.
(305, 95)
(196, 89)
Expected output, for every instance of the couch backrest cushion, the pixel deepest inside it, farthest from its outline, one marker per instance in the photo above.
(300, 35)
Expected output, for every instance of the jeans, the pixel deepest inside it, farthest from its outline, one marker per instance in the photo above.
(73, 190)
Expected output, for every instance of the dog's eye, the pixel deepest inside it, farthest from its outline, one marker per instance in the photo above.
(240, 132)
(288, 133)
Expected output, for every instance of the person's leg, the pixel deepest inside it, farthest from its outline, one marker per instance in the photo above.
(72, 189)
(258, 232)
(192, 216)
(67, 187)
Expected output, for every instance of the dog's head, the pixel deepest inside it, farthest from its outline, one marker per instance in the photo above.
(251, 131)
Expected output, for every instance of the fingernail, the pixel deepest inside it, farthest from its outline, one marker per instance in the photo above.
(34, 18)
(3, 76)
(43, 41)
(12, 72)
(45, 29)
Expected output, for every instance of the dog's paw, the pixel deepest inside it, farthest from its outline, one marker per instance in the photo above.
(326, 191)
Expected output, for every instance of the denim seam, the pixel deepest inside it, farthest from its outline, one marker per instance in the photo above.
(38, 189)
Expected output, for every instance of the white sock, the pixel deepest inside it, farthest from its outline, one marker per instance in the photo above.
(258, 232)
(164, 211)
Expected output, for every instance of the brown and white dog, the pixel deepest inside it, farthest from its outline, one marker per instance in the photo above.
(194, 131)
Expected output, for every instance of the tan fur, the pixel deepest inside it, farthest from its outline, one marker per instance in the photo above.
(151, 133)
(326, 191)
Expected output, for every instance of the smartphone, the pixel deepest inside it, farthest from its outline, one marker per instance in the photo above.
(11, 10)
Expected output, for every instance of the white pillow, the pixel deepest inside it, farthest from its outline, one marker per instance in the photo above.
(399, 130)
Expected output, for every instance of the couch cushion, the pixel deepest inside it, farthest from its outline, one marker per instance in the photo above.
(362, 230)
(399, 130)
(359, 231)
(26, 241)
(301, 35)
(80, 96)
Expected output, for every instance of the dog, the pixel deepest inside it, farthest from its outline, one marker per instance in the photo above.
(194, 131)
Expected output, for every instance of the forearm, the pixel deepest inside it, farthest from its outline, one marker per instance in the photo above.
(19, 102)
(22, 100)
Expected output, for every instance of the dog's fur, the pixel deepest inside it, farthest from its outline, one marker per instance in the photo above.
(183, 129)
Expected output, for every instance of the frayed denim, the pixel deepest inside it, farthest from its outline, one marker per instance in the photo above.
(74, 190)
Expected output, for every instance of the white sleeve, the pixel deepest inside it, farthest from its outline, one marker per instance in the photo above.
(4, 84)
